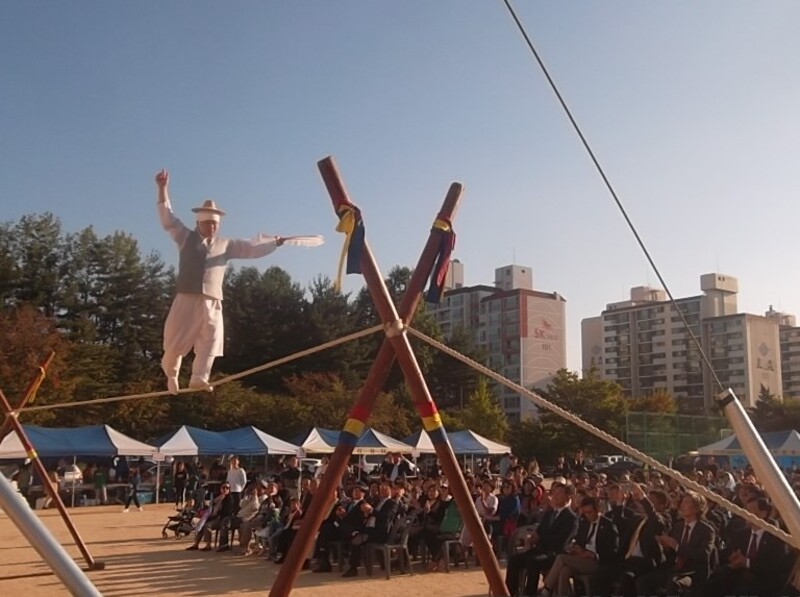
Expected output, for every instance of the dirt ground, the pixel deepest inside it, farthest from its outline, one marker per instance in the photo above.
(139, 562)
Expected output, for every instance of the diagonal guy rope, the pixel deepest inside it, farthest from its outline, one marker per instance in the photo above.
(219, 382)
(607, 182)
(607, 437)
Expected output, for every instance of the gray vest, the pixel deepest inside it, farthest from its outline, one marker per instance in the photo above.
(201, 269)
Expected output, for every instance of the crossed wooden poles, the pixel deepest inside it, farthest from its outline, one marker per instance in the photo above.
(396, 345)
(12, 423)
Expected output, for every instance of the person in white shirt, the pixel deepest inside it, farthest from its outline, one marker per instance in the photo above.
(195, 317)
(486, 505)
(237, 479)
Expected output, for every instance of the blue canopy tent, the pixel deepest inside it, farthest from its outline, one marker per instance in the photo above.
(323, 441)
(191, 441)
(783, 445)
(469, 442)
(252, 441)
(54, 442)
(463, 443)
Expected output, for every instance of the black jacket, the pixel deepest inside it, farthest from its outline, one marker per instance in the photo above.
(556, 531)
(768, 570)
(403, 469)
(606, 539)
(695, 554)
(655, 524)
(384, 519)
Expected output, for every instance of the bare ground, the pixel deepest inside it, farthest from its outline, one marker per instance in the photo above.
(139, 562)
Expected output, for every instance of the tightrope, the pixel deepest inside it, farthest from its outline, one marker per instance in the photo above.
(219, 382)
(607, 437)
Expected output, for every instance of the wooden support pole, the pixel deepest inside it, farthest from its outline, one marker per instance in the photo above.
(52, 491)
(376, 379)
(29, 394)
(395, 344)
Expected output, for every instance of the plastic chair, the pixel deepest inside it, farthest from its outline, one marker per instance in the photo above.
(396, 545)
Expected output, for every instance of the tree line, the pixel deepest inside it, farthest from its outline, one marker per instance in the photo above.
(100, 303)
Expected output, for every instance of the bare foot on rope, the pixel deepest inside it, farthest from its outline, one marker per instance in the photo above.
(200, 385)
(172, 385)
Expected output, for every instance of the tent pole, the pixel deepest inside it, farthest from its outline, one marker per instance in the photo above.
(158, 481)
(48, 486)
(74, 466)
(43, 542)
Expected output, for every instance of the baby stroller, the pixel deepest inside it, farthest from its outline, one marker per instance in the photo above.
(180, 524)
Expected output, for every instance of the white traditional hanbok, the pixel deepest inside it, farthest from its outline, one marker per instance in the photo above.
(195, 317)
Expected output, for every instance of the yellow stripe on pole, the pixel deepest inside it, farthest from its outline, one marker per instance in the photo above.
(354, 426)
(431, 423)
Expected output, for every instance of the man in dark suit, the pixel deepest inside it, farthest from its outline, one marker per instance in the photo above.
(687, 549)
(618, 510)
(376, 526)
(595, 546)
(353, 519)
(329, 531)
(395, 467)
(639, 551)
(578, 464)
(551, 538)
(755, 562)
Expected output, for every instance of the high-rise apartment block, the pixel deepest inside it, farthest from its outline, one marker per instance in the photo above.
(790, 351)
(644, 345)
(521, 329)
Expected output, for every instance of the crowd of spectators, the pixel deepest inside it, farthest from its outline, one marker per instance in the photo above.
(578, 533)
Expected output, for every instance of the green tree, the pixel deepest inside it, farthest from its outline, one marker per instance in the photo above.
(483, 415)
(595, 400)
(35, 244)
(265, 319)
(526, 439)
(769, 413)
(330, 316)
(450, 380)
(657, 401)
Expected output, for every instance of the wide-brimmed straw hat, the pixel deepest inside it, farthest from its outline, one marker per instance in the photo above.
(209, 206)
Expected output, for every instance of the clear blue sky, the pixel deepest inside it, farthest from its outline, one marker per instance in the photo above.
(692, 107)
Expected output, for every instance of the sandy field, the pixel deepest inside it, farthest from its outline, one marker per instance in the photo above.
(139, 562)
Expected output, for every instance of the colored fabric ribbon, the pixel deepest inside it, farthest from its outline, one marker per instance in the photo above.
(352, 226)
(447, 243)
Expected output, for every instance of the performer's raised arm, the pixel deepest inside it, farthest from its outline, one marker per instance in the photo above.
(170, 222)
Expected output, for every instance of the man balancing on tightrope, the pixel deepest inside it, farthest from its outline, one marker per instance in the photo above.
(195, 317)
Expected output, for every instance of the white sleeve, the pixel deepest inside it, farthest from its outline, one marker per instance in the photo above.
(253, 248)
(172, 224)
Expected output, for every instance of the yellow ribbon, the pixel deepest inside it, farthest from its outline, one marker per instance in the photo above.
(347, 224)
(442, 225)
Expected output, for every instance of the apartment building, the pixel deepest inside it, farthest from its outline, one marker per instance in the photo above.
(789, 335)
(521, 329)
(644, 344)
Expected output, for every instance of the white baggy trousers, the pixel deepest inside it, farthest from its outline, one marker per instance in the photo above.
(194, 322)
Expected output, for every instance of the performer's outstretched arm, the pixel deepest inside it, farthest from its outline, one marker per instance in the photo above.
(170, 222)
(261, 245)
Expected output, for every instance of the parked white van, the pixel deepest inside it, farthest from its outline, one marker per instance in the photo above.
(605, 460)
